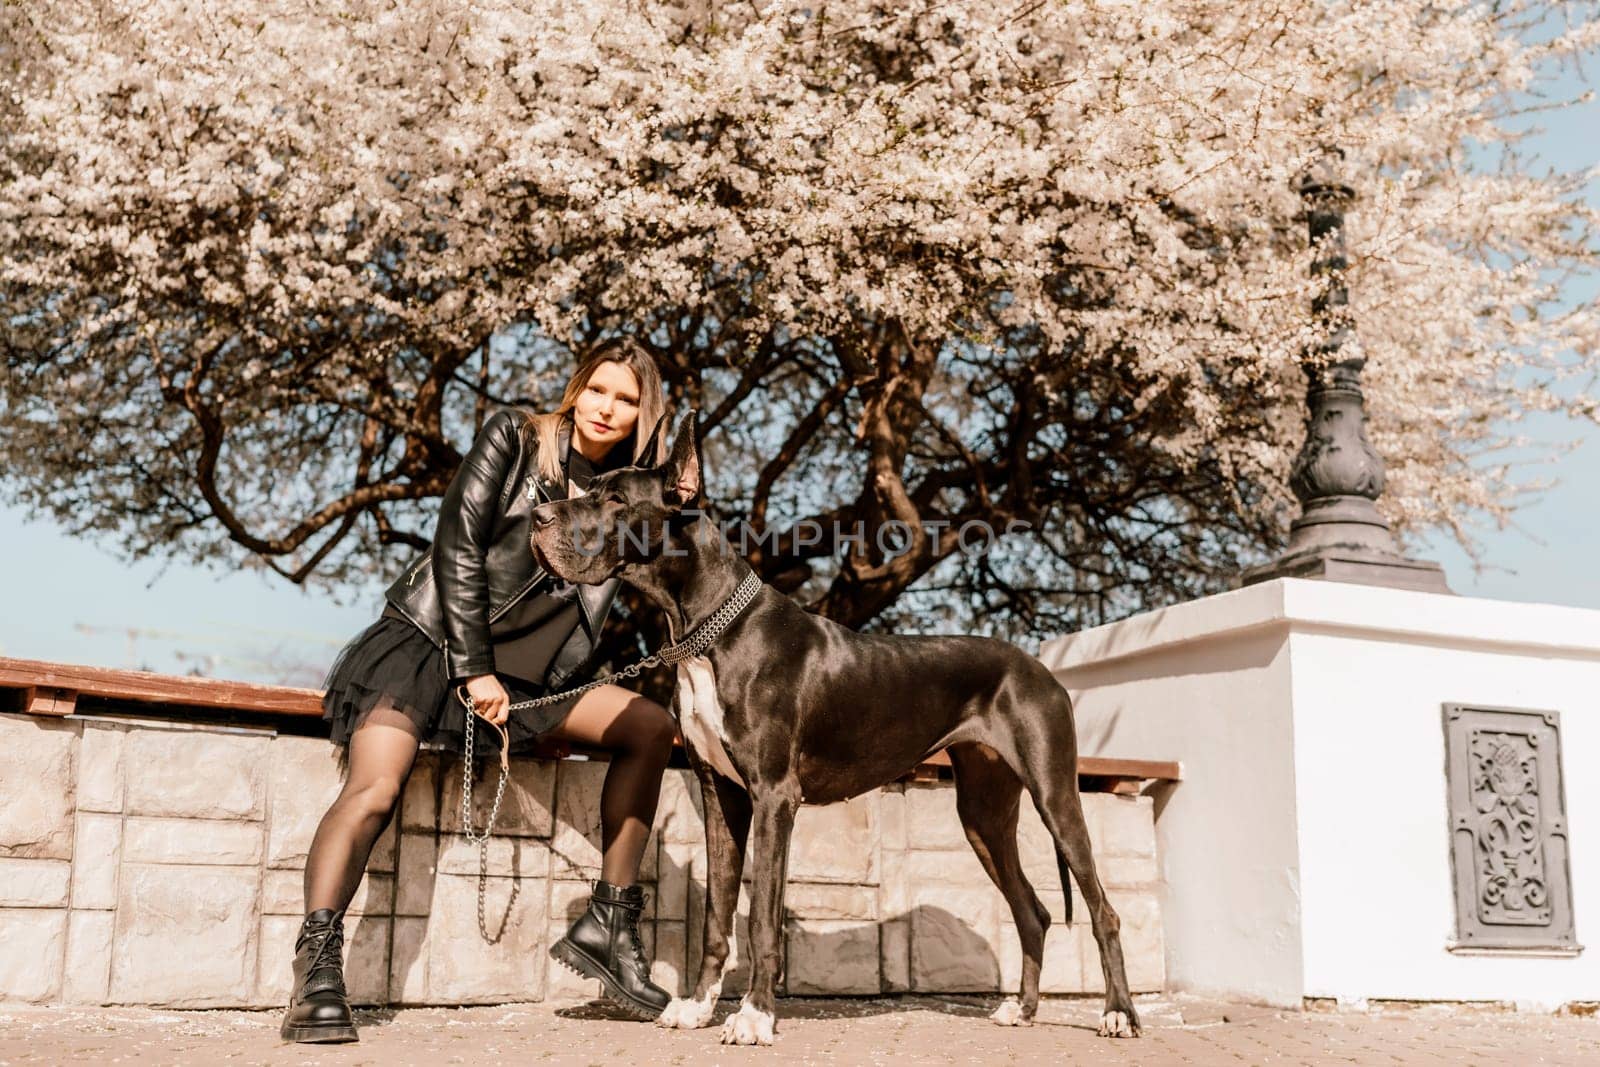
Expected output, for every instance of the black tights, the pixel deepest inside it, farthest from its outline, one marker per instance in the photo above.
(383, 748)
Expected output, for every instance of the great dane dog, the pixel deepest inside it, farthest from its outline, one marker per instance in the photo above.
(787, 708)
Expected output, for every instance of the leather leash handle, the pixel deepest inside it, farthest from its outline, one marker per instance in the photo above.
(505, 738)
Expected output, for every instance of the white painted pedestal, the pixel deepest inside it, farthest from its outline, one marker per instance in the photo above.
(1306, 851)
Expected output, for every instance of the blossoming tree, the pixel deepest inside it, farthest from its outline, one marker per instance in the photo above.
(265, 263)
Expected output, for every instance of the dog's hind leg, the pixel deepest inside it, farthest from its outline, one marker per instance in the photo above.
(1045, 746)
(988, 793)
(727, 811)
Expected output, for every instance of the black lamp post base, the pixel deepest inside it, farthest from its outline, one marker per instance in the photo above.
(1350, 563)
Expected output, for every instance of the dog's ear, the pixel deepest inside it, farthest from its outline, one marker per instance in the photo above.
(683, 465)
(647, 454)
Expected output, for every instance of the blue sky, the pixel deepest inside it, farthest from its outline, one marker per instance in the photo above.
(72, 601)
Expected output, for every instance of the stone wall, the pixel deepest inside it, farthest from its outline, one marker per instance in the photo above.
(161, 864)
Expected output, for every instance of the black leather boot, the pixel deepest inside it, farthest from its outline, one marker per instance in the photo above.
(318, 1010)
(604, 943)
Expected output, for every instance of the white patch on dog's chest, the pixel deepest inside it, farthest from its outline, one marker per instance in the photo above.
(700, 716)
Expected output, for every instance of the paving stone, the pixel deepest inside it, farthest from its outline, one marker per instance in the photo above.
(925, 1031)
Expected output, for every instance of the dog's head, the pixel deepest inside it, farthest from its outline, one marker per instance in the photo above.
(626, 517)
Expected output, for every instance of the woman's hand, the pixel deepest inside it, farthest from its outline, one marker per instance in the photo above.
(489, 698)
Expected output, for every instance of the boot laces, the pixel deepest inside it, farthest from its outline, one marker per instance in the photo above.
(634, 936)
(329, 954)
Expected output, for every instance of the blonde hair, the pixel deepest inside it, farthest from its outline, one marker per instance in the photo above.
(626, 352)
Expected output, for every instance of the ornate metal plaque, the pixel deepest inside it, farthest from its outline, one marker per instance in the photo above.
(1508, 830)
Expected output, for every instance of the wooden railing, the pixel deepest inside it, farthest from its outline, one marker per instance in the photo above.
(37, 687)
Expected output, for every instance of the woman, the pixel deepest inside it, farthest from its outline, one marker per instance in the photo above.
(475, 610)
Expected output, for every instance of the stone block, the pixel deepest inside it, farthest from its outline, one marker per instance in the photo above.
(575, 842)
(185, 935)
(283, 893)
(893, 827)
(894, 891)
(88, 972)
(836, 843)
(32, 953)
(408, 966)
(960, 869)
(366, 955)
(526, 808)
(894, 953)
(679, 816)
(419, 806)
(1127, 872)
(383, 849)
(196, 774)
(668, 968)
(953, 937)
(931, 819)
(1064, 950)
(95, 860)
(193, 842)
(832, 958)
(810, 900)
(512, 857)
(673, 868)
(303, 779)
(34, 883)
(36, 763)
(100, 767)
(1143, 949)
(1125, 825)
(567, 901)
(462, 968)
(418, 862)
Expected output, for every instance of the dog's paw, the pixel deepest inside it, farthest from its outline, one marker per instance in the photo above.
(1118, 1024)
(747, 1026)
(1009, 1013)
(683, 1014)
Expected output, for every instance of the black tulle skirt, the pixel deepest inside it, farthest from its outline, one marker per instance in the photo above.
(393, 658)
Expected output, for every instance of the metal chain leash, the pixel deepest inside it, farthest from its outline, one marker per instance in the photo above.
(696, 642)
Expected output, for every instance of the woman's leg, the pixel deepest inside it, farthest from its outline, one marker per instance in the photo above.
(638, 731)
(382, 751)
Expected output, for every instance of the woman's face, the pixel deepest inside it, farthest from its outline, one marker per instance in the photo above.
(608, 406)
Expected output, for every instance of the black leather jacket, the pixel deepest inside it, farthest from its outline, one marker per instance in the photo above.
(481, 562)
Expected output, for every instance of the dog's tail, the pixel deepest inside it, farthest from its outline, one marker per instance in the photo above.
(1066, 885)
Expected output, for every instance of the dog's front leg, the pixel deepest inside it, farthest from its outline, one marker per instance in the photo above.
(772, 821)
(727, 808)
